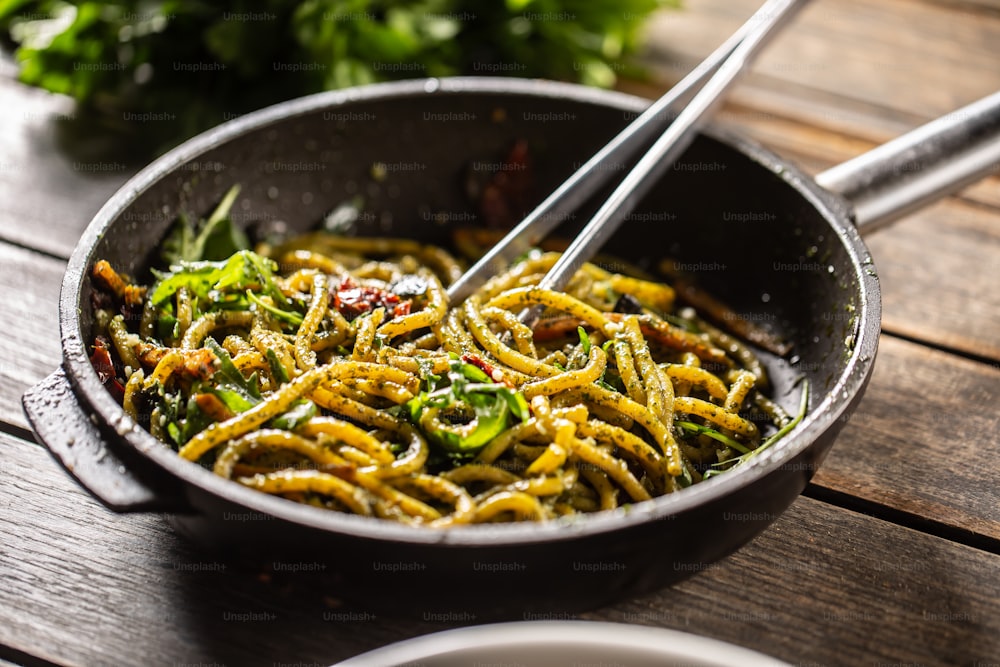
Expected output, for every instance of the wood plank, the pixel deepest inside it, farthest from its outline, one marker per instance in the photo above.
(29, 348)
(814, 148)
(986, 6)
(948, 250)
(809, 590)
(843, 48)
(54, 173)
(800, 86)
(924, 439)
(825, 586)
(83, 586)
(939, 270)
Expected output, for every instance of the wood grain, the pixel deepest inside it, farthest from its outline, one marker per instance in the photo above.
(924, 439)
(845, 51)
(939, 271)
(810, 590)
(29, 346)
(55, 173)
(825, 586)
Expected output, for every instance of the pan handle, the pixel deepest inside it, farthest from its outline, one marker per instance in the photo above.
(63, 426)
(920, 167)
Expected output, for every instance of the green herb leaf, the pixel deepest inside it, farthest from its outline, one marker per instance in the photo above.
(166, 327)
(277, 370)
(229, 377)
(225, 284)
(301, 411)
(699, 429)
(724, 466)
(116, 56)
(293, 318)
(584, 340)
(234, 399)
(213, 239)
(472, 411)
(194, 422)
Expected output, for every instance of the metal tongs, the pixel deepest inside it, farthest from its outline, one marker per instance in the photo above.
(724, 66)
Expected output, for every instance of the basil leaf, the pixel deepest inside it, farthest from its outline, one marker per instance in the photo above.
(194, 422)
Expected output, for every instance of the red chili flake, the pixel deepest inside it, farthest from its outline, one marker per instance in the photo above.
(353, 300)
(494, 373)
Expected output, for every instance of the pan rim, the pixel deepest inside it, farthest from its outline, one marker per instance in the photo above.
(837, 401)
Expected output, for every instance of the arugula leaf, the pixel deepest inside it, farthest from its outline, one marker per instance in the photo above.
(170, 409)
(699, 429)
(609, 379)
(213, 239)
(198, 277)
(467, 371)
(225, 284)
(724, 466)
(290, 316)
(234, 399)
(302, 411)
(166, 327)
(277, 370)
(470, 411)
(584, 340)
(229, 378)
(195, 420)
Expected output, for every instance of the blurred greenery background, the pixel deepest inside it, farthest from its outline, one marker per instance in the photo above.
(196, 64)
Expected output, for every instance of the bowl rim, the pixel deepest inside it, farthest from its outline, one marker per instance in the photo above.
(601, 640)
(92, 395)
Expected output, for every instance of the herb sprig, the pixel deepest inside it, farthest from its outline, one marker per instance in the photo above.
(189, 64)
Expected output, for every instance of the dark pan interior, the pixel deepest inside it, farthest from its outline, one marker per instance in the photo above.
(728, 215)
(719, 216)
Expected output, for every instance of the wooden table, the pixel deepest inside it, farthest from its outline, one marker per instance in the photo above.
(892, 556)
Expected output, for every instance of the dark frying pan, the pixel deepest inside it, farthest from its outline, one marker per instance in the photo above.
(747, 225)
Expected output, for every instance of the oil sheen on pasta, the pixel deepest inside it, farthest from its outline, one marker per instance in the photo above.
(332, 371)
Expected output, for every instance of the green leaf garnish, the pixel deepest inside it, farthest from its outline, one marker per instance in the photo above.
(289, 316)
(724, 466)
(225, 285)
(213, 239)
(470, 411)
(584, 340)
(301, 411)
(277, 370)
(699, 429)
(228, 377)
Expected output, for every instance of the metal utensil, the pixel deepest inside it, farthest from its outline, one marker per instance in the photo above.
(727, 62)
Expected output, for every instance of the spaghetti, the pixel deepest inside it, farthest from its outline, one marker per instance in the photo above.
(333, 371)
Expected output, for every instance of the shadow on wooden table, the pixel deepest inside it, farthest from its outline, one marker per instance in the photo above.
(230, 611)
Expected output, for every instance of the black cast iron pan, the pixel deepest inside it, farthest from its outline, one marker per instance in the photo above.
(747, 225)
